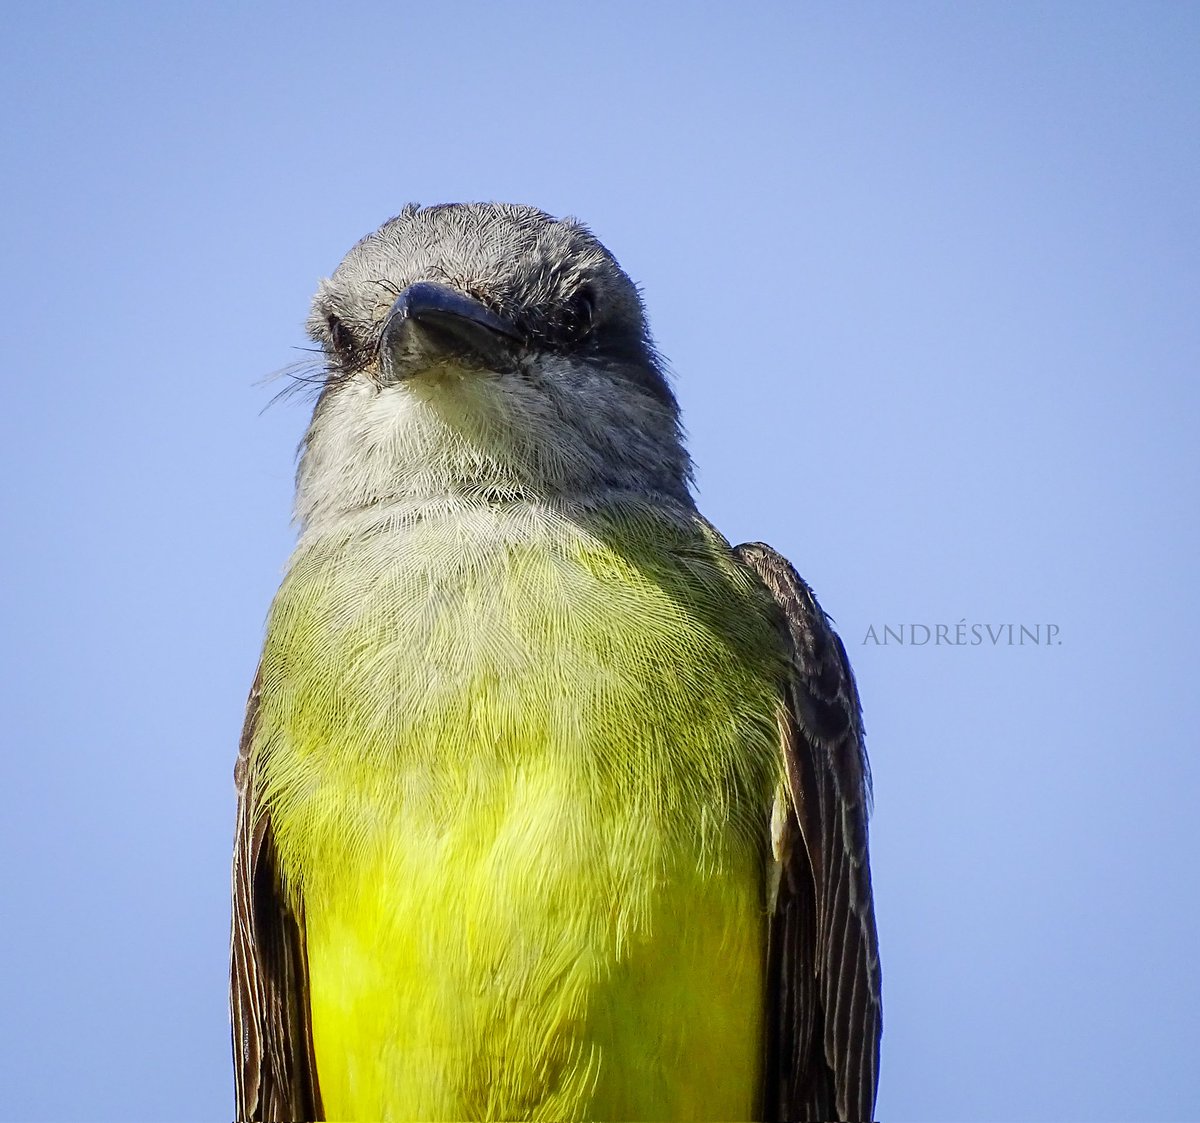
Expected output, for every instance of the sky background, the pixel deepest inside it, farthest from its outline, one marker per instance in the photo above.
(927, 278)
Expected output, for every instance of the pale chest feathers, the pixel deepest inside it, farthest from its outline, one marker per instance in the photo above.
(623, 675)
(519, 772)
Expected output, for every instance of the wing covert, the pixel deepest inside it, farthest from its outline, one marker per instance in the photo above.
(275, 1072)
(824, 998)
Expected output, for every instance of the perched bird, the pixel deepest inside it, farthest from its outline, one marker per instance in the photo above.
(552, 805)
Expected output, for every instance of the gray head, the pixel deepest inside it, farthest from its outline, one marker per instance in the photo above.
(485, 349)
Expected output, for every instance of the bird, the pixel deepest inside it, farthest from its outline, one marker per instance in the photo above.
(552, 804)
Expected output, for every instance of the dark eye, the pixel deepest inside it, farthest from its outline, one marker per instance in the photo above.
(581, 312)
(339, 334)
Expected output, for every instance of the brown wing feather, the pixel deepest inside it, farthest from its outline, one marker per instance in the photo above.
(275, 1073)
(825, 1009)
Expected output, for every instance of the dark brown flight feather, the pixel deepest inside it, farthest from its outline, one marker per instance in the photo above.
(824, 1015)
(275, 1071)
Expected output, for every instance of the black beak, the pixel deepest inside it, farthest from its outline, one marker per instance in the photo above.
(430, 323)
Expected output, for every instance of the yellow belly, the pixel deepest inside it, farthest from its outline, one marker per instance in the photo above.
(523, 803)
(488, 978)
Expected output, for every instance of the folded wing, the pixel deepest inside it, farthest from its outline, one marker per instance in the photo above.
(274, 1070)
(824, 1005)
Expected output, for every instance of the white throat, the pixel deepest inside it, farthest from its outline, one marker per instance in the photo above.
(455, 435)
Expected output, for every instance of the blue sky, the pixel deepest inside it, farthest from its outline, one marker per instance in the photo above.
(927, 277)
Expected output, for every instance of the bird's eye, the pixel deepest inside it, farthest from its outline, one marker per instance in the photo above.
(581, 312)
(339, 334)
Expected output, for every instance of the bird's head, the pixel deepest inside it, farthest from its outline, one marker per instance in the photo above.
(490, 350)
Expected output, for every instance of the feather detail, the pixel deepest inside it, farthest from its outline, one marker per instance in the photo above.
(275, 1076)
(825, 1016)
